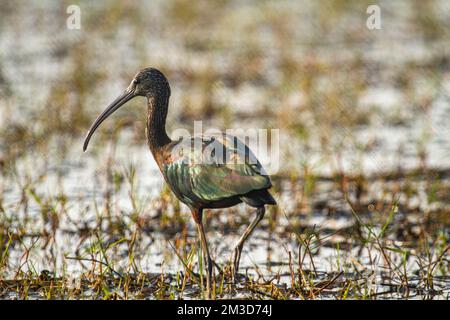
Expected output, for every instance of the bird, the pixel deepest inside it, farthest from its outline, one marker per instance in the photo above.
(198, 176)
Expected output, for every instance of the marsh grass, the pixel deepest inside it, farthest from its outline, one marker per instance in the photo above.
(381, 235)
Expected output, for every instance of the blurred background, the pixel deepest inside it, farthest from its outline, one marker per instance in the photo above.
(345, 97)
(363, 114)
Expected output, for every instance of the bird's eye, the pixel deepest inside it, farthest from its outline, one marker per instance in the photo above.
(135, 81)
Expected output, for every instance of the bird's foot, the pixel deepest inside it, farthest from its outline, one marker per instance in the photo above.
(235, 266)
(217, 266)
(239, 280)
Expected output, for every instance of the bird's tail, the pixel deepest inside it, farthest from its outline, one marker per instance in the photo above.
(259, 198)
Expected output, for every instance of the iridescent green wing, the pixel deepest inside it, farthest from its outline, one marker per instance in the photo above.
(205, 169)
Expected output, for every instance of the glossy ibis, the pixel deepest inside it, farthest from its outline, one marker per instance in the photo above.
(199, 184)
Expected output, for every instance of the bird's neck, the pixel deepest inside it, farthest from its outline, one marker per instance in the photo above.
(156, 124)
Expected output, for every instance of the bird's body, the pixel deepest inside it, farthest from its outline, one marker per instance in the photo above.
(201, 177)
(202, 171)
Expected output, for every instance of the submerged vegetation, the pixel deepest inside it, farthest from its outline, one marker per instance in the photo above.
(364, 185)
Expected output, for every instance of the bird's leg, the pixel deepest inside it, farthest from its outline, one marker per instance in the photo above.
(206, 259)
(205, 252)
(238, 249)
(215, 264)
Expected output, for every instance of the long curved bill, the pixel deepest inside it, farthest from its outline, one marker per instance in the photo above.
(116, 104)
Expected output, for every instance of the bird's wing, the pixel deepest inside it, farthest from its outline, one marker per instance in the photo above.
(213, 168)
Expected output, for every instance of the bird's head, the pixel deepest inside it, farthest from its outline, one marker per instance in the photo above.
(148, 82)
